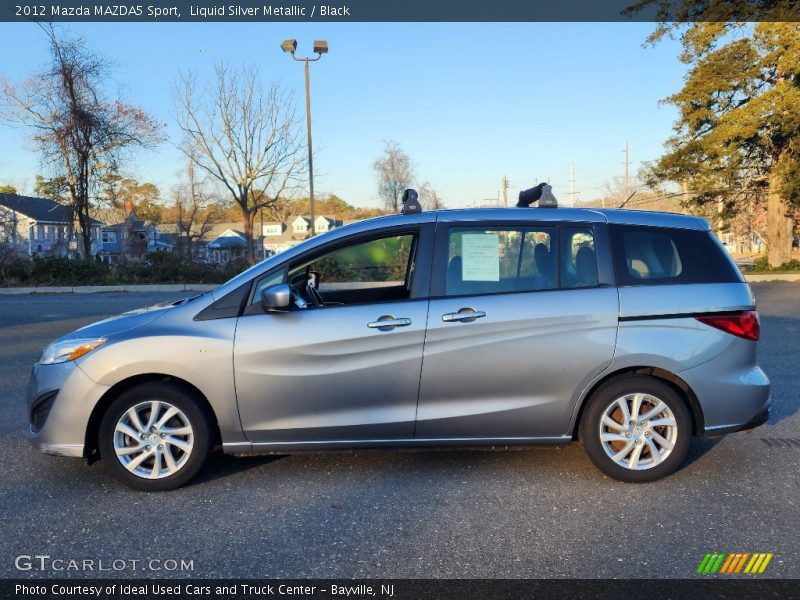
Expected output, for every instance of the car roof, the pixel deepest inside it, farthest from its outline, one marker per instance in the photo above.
(616, 216)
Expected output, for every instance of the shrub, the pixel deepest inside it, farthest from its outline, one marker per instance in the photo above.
(157, 267)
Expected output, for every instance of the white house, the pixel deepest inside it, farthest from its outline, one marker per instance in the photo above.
(38, 226)
(323, 224)
(273, 229)
(301, 226)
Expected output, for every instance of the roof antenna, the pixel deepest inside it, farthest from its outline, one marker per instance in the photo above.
(626, 200)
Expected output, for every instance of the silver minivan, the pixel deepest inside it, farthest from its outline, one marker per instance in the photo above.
(630, 331)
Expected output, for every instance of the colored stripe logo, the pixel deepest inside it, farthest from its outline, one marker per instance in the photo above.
(734, 563)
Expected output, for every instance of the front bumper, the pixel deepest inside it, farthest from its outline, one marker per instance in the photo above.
(63, 430)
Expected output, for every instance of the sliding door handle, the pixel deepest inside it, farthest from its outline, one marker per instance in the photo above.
(465, 315)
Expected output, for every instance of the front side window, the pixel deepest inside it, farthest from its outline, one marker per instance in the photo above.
(491, 261)
(382, 262)
(375, 270)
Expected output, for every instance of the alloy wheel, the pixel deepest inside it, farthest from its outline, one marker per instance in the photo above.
(638, 431)
(153, 439)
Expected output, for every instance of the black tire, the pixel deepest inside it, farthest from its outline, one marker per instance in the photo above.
(193, 411)
(604, 398)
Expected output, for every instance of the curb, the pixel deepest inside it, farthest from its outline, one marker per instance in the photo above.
(764, 277)
(93, 289)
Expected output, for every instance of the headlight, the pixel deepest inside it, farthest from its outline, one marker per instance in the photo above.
(67, 350)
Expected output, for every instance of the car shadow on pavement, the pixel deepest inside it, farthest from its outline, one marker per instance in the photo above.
(221, 465)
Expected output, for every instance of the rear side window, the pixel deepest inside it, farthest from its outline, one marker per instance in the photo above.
(662, 256)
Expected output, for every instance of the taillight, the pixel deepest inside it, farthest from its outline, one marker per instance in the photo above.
(744, 324)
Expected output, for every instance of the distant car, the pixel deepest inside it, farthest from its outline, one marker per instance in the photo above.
(630, 331)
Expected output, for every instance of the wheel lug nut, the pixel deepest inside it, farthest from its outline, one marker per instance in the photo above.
(638, 440)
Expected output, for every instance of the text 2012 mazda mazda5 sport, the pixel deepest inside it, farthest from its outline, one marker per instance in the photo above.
(630, 331)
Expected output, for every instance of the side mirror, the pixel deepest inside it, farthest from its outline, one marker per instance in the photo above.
(276, 298)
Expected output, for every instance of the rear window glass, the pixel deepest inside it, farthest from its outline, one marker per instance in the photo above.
(658, 256)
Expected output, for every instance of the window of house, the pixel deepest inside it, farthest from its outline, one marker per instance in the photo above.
(109, 237)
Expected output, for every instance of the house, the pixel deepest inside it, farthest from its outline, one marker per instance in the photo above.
(273, 229)
(130, 240)
(301, 226)
(38, 226)
(228, 246)
(323, 224)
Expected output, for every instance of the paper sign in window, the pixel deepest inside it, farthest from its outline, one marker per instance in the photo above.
(480, 255)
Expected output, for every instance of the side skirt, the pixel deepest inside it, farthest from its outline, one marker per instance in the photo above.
(403, 444)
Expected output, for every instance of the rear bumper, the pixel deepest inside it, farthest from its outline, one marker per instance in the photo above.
(759, 419)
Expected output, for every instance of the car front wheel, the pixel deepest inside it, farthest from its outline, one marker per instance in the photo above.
(155, 437)
(636, 429)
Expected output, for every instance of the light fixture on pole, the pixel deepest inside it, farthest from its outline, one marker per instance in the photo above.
(320, 48)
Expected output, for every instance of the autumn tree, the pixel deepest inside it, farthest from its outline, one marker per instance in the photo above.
(8, 189)
(124, 194)
(737, 137)
(245, 137)
(80, 132)
(395, 174)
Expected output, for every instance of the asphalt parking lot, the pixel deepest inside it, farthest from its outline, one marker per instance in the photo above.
(543, 512)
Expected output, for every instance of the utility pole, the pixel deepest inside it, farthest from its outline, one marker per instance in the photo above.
(505, 190)
(627, 162)
(572, 185)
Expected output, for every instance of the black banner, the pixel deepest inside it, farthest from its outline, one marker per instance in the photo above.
(399, 589)
(394, 10)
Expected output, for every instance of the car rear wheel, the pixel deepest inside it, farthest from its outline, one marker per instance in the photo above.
(636, 429)
(155, 437)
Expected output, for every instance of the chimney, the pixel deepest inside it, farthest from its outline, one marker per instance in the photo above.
(128, 206)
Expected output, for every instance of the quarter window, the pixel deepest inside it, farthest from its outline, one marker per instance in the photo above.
(658, 256)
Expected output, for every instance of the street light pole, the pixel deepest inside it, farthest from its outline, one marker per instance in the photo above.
(320, 48)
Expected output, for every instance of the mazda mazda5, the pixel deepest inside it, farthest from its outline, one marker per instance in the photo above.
(629, 331)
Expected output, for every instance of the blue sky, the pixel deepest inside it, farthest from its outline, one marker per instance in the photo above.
(469, 102)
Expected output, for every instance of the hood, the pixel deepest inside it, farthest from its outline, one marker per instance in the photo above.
(124, 321)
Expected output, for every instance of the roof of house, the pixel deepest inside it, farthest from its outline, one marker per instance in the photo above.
(228, 239)
(40, 209)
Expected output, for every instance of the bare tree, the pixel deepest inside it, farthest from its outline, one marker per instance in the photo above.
(246, 138)
(395, 174)
(197, 213)
(429, 197)
(81, 133)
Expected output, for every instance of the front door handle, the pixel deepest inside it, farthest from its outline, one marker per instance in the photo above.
(464, 315)
(388, 322)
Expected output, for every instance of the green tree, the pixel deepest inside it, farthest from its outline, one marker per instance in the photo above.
(53, 189)
(737, 137)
